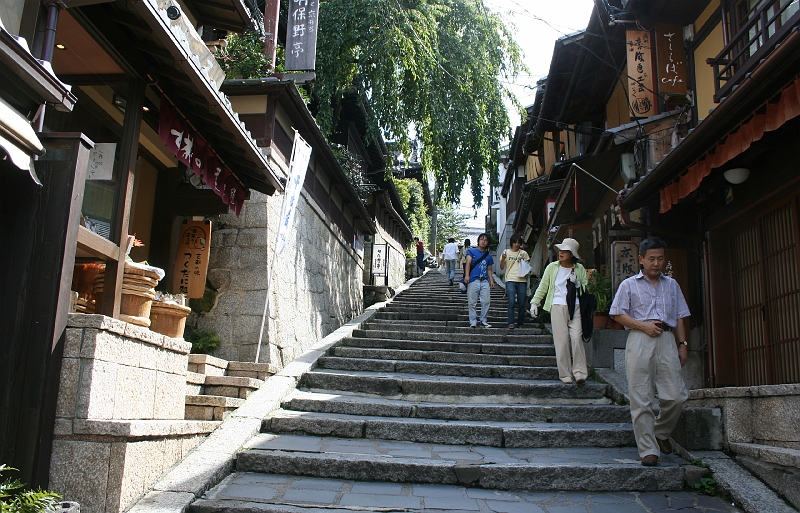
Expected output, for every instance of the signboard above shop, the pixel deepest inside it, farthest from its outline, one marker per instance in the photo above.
(301, 35)
(671, 59)
(641, 83)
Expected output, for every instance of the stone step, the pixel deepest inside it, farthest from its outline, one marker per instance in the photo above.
(436, 431)
(231, 386)
(353, 404)
(768, 453)
(456, 347)
(260, 371)
(210, 407)
(438, 368)
(530, 327)
(482, 335)
(572, 468)
(207, 364)
(454, 388)
(494, 320)
(442, 356)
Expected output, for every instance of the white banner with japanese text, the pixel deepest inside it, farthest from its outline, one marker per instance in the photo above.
(298, 164)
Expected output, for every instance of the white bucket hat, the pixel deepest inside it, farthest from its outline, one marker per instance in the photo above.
(570, 245)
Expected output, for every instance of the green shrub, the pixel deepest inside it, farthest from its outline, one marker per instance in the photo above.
(14, 499)
(203, 341)
(599, 284)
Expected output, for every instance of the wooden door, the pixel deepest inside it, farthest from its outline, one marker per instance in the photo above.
(765, 278)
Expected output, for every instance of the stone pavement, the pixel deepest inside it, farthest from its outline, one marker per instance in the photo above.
(416, 411)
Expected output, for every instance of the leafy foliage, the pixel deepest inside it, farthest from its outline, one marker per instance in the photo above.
(449, 223)
(15, 499)
(243, 56)
(203, 341)
(436, 64)
(411, 194)
(353, 168)
(599, 284)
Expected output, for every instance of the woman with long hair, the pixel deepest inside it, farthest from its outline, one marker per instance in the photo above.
(567, 331)
(516, 285)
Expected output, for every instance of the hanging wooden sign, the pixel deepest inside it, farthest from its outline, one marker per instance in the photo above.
(301, 35)
(626, 262)
(191, 259)
(641, 83)
(671, 59)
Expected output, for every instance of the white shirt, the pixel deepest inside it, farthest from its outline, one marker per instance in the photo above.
(560, 286)
(450, 251)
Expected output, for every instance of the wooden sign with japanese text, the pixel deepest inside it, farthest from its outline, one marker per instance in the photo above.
(301, 35)
(641, 83)
(671, 59)
(191, 260)
(379, 259)
(626, 262)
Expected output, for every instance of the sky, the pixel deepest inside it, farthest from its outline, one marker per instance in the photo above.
(536, 24)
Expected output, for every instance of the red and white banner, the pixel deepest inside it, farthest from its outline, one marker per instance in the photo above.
(197, 155)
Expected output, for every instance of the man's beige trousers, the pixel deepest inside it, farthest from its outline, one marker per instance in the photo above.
(652, 364)
(568, 333)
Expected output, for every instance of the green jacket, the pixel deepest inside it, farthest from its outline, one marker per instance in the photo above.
(547, 285)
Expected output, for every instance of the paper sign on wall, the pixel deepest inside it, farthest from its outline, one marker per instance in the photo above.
(191, 261)
(101, 162)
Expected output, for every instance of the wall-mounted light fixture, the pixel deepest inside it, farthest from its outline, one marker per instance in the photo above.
(173, 12)
(61, 47)
(736, 175)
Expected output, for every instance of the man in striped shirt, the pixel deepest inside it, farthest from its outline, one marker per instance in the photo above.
(652, 306)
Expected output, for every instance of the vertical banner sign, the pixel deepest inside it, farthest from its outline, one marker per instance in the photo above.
(379, 259)
(671, 59)
(641, 85)
(298, 164)
(301, 35)
(191, 261)
(626, 262)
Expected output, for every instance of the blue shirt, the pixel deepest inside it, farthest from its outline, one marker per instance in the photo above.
(639, 299)
(481, 270)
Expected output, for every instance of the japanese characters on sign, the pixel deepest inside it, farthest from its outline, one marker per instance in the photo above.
(626, 262)
(298, 165)
(192, 150)
(379, 259)
(671, 59)
(191, 261)
(301, 35)
(641, 87)
(101, 162)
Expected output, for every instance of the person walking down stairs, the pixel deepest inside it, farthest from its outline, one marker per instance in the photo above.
(516, 284)
(479, 279)
(450, 254)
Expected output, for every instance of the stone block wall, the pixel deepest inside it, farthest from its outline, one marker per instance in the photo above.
(397, 260)
(119, 414)
(317, 281)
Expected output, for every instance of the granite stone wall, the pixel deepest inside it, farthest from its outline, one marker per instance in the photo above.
(317, 281)
(397, 260)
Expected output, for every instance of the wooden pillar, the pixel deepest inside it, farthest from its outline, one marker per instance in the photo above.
(126, 177)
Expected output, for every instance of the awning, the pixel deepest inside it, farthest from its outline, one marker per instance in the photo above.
(603, 169)
(18, 139)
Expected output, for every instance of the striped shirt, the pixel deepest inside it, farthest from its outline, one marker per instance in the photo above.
(639, 299)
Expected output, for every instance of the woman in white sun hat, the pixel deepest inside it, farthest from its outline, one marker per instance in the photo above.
(567, 332)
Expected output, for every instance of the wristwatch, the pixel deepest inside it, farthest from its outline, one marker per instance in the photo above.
(684, 343)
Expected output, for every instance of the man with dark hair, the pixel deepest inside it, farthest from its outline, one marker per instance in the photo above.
(652, 306)
(450, 253)
(420, 255)
(479, 279)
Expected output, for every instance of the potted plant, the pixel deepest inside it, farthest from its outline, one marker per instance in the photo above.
(599, 284)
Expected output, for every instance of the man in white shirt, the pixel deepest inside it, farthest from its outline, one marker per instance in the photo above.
(450, 254)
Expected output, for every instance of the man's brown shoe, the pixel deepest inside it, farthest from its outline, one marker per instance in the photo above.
(651, 460)
(664, 445)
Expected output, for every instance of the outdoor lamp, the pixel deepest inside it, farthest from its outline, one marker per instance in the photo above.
(736, 175)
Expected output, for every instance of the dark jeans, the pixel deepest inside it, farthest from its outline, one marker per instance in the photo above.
(516, 298)
(421, 261)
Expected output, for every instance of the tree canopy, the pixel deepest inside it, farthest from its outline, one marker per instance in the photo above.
(435, 64)
(450, 223)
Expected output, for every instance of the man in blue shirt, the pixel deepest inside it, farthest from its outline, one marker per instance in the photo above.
(479, 280)
(652, 306)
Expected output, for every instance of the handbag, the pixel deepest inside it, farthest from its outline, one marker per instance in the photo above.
(587, 304)
(523, 268)
(461, 284)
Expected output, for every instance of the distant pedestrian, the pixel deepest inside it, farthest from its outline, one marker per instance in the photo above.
(566, 321)
(479, 280)
(516, 285)
(420, 255)
(653, 307)
(450, 254)
(463, 255)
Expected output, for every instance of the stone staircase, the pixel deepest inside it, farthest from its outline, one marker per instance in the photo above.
(417, 396)
(216, 387)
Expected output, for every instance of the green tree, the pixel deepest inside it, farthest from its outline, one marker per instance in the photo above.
(412, 196)
(449, 223)
(438, 65)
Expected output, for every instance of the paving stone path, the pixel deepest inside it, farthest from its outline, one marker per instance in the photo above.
(419, 412)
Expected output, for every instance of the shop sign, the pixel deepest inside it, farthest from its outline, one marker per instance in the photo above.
(191, 261)
(379, 259)
(301, 35)
(641, 86)
(101, 162)
(671, 59)
(626, 262)
(197, 155)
